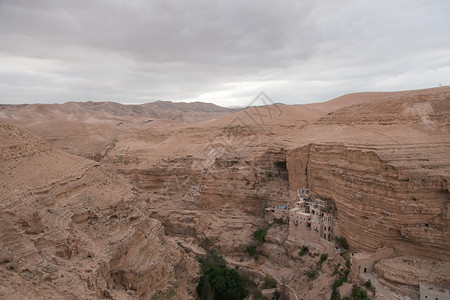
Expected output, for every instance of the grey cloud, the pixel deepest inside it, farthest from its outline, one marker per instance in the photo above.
(218, 51)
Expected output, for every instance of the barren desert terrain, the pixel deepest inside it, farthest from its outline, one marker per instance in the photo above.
(104, 200)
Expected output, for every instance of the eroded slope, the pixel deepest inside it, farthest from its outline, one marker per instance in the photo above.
(70, 230)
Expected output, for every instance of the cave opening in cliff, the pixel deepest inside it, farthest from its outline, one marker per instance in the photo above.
(281, 170)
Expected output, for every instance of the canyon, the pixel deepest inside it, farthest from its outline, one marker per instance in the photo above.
(95, 196)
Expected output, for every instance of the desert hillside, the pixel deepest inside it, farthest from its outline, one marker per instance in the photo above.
(70, 230)
(88, 128)
(106, 188)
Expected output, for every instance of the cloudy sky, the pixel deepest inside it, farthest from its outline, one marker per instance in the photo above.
(225, 52)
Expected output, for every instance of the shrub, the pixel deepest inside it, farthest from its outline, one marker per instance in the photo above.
(346, 272)
(336, 268)
(277, 294)
(342, 242)
(368, 284)
(323, 258)
(212, 260)
(269, 282)
(206, 243)
(312, 273)
(358, 293)
(259, 235)
(251, 250)
(278, 220)
(346, 255)
(335, 295)
(338, 282)
(303, 251)
(271, 174)
(256, 256)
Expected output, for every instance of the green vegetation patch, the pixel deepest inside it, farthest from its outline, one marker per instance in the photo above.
(359, 294)
(342, 242)
(251, 250)
(323, 258)
(217, 282)
(260, 235)
(303, 251)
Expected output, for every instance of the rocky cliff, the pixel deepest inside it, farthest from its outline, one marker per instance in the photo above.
(70, 230)
(378, 204)
(224, 203)
(385, 165)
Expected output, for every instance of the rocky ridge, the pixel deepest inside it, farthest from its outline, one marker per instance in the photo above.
(71, 230)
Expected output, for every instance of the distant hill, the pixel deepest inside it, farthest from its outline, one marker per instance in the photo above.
(83, 111)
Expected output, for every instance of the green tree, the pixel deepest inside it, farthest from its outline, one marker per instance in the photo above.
(335, 295)
(227, 284)
(207, 292)
(358, 293)
(223, 283)
(213, 260)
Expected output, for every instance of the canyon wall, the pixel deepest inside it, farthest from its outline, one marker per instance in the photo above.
(71, 230)
(378, 204)
(224, 202)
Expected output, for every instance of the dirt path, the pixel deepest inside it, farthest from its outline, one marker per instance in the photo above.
(380, 289)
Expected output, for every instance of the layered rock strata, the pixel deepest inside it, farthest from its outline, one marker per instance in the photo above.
(70, 230)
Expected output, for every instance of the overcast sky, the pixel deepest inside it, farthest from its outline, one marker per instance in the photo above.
(224, 52)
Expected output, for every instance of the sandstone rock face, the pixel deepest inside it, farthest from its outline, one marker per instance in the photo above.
(224, 203)
(405, 273)
(393, 193)
(70, 230)
(378, 204)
